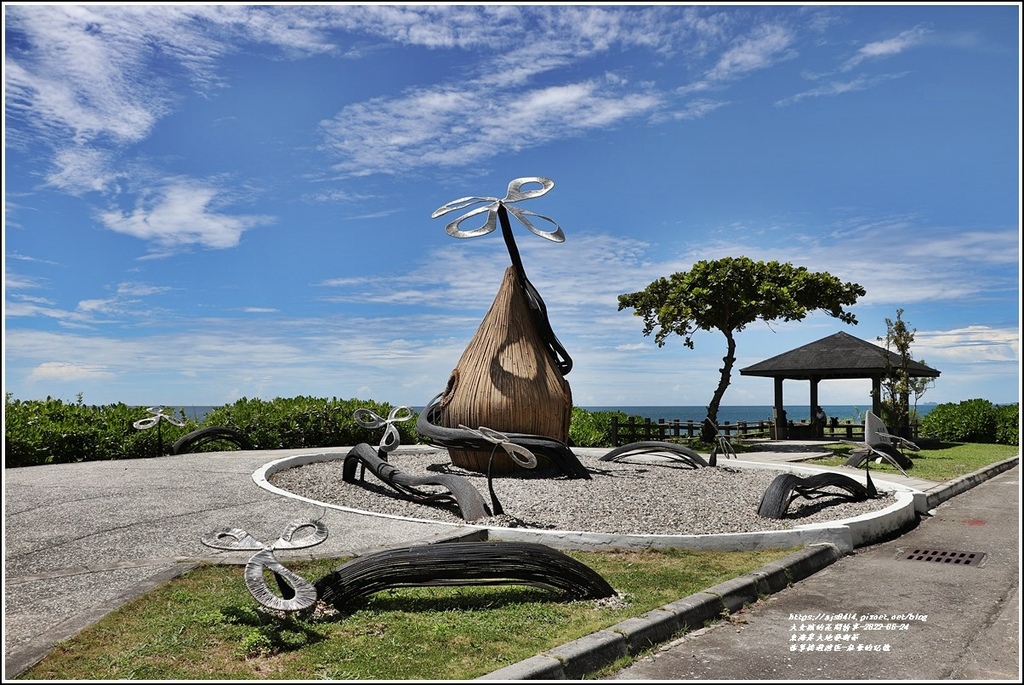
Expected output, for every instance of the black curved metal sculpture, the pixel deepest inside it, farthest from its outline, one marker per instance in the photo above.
(201, 437)
(461, 492)
(722, 444)
(556, 451)
(451, 563)
(675, 452)
(882, 451)
(881, 444)
(787, 487)
(462, 563)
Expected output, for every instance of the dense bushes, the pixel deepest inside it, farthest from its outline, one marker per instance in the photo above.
(52, 432)
(1008, 424)
(593, 429)
(974, 420)
(306, 422)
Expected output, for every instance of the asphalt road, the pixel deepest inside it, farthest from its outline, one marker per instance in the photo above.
(877, 614)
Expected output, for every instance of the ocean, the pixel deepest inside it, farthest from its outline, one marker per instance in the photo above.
(726, 414)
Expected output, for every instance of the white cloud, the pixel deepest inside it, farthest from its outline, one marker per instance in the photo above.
(63, 371)
(973, 344)
(135, 289)
(985, 247)
(182, 216)
(763, 47)
(14, 281)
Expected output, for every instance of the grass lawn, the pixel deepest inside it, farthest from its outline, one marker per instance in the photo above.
(205, 625)
(941, 462)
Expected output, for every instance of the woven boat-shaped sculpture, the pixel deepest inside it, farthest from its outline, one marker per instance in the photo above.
(506, 380)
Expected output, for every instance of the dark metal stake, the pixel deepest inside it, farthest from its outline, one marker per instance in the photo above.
(495, 504)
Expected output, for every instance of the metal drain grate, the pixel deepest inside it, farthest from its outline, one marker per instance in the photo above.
(947, 556)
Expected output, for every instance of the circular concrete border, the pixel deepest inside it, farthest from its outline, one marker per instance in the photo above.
(846, 534)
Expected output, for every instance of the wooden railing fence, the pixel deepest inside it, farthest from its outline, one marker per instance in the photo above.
(636, 430)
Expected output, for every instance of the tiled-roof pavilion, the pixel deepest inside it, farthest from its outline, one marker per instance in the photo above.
(840, 355)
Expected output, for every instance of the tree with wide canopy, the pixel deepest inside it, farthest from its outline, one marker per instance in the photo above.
(730, 293)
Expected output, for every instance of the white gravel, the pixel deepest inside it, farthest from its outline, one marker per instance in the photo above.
(619, 498)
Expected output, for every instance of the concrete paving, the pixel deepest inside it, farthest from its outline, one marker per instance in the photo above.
(82, 539)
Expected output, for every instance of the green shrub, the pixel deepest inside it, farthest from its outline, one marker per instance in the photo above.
(54, 432)
(593, 429)
(306, 422)
(969, 421)
(51, 431)
(583, 429)
(1008, 424)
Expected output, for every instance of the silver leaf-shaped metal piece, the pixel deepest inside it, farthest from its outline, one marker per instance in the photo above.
(234, 539)
(515, 193)
(305, 592)
(288, 541)
(371, 420)
(158, 416)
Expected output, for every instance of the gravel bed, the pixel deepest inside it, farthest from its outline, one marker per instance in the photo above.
(620, 498)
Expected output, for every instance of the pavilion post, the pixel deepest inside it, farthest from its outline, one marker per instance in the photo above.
(779, 412)
(876, 395)
(814, 396)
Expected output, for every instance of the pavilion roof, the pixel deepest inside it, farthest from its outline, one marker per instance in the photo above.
(840, 355)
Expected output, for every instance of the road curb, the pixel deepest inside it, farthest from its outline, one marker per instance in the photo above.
(574, 660)
(941, 493)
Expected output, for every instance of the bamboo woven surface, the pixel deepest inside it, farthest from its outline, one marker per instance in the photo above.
(506, 380)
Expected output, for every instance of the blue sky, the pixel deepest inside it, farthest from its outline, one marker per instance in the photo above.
(208, 202)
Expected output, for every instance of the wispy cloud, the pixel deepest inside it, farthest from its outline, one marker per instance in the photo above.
(762, 47)
(456, 125)
(81, 169)
(765, 46)
(833, 88)
(397, 338)
(871, 52)
(124, 305)
(13, 281)
(82, 78)
(698, 109)
(887, 48)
